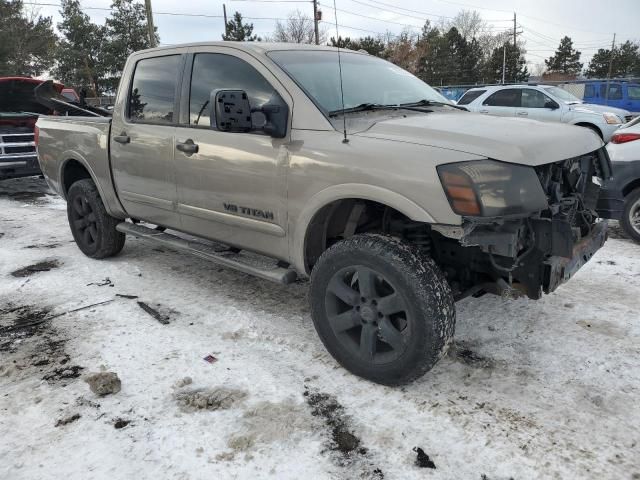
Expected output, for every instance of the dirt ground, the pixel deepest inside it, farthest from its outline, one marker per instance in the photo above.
(222, 375)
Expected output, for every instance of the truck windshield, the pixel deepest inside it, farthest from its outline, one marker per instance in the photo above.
(366, 79)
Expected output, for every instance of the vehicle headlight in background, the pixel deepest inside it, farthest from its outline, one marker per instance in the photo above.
(488, 188)
(612, 118)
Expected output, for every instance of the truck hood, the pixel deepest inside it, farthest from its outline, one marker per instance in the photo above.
(17, 95)
(515, 140)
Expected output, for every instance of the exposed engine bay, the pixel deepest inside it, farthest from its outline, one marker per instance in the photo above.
(529, 255)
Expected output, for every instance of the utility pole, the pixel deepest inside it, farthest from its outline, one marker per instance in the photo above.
(226, 24)
(152, 30)
(514, 30)
(316, 17)
(613, 48)
(504, 61)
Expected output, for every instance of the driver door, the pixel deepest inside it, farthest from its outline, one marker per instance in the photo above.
(231, 186)
(535, 105)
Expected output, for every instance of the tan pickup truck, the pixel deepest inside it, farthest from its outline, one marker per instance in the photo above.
(393, 201)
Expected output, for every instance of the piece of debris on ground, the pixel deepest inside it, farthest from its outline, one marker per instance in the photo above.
(67, 420)
(104, 383)
(422, 459)
(163, 319)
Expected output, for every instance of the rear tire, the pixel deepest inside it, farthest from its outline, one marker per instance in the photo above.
(93, 229)
(631, 215)
(383, 310)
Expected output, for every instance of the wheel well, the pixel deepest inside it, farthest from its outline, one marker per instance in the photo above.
(631, 187)
(344, 218)
(593, 127)
(73, 171)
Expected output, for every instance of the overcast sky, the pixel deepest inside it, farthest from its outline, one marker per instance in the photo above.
(590, 23)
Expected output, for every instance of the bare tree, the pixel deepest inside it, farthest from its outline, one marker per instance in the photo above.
(298, 28)
(469, 24)
(538, 69)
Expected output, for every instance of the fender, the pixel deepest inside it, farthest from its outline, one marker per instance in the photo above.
(105, 188)
(341, 192)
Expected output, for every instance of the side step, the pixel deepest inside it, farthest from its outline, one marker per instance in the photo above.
(260, 269)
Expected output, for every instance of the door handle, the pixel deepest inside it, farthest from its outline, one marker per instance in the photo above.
(523, 114)
(123, 138)
(484, 111)
(188, 147)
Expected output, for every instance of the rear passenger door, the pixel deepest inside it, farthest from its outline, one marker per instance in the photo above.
(142, 139)
(502, 103)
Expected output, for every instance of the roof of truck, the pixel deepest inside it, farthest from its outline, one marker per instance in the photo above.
(258, 47)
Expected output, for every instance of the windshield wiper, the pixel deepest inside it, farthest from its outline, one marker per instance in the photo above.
(376, 106)
(432, 103)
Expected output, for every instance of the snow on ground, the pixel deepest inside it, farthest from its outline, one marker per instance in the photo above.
(547, 389)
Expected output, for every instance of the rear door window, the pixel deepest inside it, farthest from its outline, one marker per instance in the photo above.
(508, 97)
(589, 91)
(469, 97)
(153, 90)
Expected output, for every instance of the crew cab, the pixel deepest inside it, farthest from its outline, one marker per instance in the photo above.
(545, 103)
(334, 166)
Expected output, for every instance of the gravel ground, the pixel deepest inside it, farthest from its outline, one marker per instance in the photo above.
(222, 375)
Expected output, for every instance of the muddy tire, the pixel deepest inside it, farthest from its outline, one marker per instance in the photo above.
(383, 310)
(631, 216)
(93, 229)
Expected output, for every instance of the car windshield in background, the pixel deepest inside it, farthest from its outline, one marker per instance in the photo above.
(366, 79)
(563, 95)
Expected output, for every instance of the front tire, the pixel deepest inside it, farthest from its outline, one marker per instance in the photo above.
(383, 310)
(93, 229)
(631, 216)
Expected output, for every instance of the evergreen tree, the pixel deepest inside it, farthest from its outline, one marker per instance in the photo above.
(566, 59)
(626, 62)
(127, 32)
(238, 31)
(26, 42)
(373, 46)
(80, 53)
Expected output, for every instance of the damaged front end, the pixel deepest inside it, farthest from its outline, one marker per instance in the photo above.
(525, 230)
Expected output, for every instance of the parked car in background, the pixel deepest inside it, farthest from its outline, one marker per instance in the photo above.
(71, 94)
(19, 111)
(545, 103)
(621, 194)
(621, 94)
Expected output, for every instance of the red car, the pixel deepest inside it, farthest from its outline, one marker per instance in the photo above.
(19, 111)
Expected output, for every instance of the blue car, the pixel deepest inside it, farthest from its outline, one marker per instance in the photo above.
(622, 94)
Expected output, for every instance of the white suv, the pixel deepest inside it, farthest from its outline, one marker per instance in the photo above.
(545, 103)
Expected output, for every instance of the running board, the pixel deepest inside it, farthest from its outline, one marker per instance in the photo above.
(271, 272)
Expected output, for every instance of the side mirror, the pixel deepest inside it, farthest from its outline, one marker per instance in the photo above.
(551, 104)
(231, 110)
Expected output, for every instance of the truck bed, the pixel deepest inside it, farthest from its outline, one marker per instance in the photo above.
(81, 139)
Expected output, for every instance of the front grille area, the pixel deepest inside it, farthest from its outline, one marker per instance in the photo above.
(571, 192)
(16, 145)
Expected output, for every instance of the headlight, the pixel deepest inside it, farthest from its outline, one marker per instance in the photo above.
(488, 188)
(611, 118)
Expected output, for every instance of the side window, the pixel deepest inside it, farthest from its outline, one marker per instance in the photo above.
(152, 94)
(589, 91)
(509, 97)
(634, 92)
(214, 71)
(615, 91)
(469, 97)
(533, 98)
